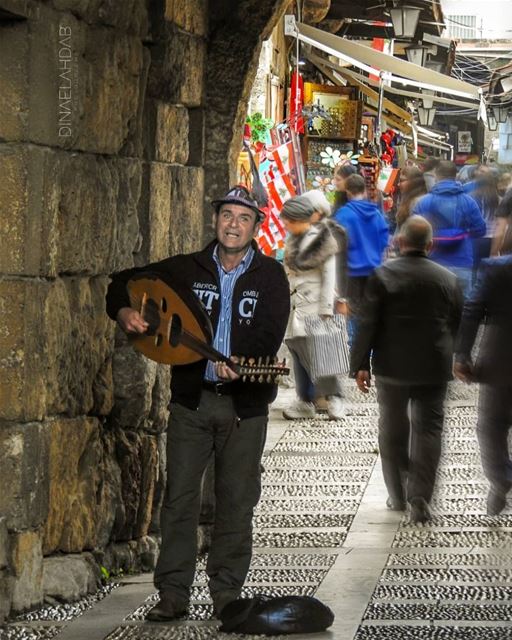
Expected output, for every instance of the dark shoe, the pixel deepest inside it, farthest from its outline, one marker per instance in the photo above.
(394, 504)
(166, 609)
(496, 501)
(420, 513)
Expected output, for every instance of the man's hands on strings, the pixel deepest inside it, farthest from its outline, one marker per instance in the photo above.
(225, 372)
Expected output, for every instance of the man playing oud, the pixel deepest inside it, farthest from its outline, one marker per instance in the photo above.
(212, 409)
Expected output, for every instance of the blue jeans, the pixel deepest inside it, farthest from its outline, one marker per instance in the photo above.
(465, 278)
(303, 384)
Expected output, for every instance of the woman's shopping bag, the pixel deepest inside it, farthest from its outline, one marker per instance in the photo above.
(327, 342)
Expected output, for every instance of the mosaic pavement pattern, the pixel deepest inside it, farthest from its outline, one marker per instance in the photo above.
(451, 578)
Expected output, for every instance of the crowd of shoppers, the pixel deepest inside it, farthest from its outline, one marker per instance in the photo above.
(404, 289)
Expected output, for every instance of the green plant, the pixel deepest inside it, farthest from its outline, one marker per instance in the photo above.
(105, 574)
(259, 126)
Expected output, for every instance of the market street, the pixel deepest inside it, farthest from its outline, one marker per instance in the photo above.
(322, 529)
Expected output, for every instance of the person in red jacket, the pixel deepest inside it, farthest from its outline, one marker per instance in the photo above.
(212, 410)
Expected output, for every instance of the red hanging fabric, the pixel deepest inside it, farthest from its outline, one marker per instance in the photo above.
(296, 102)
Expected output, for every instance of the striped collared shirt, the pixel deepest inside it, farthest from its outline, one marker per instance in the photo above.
(222, 340)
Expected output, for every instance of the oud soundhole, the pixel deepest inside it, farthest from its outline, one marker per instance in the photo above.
(158, 339)
(163, 305)
(176, 330)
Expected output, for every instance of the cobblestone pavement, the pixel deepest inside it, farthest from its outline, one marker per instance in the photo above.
(322, 528)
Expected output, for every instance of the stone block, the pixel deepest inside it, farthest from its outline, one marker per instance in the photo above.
(81, 86)
(4, 543)
(14, 45)
(136, 454)
(74, 478)
(110, 513)
(177, 69)
(27, 568)
(186, 221)
(129, 16)
(27, 242)
(138, 555)
(156, 231)
(128, 455)
(189, 15)
(196, 137)
(149, 467)
(70, 577)
(161, 478)
(24, 456)
(58, 358)
(157, 420)
(115, 69)
(47, 196)
(171, 134)
(133, 146)
(99, 197)
(23, 391)
(134, 379)
(6, 582)
(79, 338)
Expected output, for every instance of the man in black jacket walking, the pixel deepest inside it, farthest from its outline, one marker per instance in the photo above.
(491, 303)
(410, 317)
(247, 298)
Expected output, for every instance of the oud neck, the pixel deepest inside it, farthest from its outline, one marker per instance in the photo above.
(188, 340)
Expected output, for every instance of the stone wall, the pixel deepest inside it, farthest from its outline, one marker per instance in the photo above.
(102, 154)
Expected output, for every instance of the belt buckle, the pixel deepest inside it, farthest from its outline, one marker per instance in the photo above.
(218, 388)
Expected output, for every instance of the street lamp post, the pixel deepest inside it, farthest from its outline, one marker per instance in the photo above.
(417, 54)
(426, 116)
(492, 123)
(405, 20)
(502, 114)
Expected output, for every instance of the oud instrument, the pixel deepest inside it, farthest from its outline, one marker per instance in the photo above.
(180, 330)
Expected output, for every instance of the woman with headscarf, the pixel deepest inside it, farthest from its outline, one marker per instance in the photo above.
(315, 256)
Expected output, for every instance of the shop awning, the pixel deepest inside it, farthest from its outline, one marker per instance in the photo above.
(373, 61)
(358, 79)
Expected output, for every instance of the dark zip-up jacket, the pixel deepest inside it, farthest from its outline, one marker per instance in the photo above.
(409, 320)
(490, 304)
(260, 308)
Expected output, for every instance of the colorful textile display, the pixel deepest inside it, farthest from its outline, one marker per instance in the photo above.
(276, 171)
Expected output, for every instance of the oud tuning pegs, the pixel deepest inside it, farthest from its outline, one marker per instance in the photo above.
(269, 378)
(253, 378)
(242, 360)
(267, 361)
(261, 378)
(244, 378)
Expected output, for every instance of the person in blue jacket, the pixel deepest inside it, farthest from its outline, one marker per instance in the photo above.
(456, 218)
(368, 237)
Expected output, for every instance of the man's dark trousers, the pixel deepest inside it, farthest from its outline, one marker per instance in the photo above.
(192, 436)
(410, 426)
(494, 422)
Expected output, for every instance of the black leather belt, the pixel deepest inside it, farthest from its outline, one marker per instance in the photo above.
(219, 388)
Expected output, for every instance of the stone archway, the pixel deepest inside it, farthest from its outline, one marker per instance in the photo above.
(232, 59)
